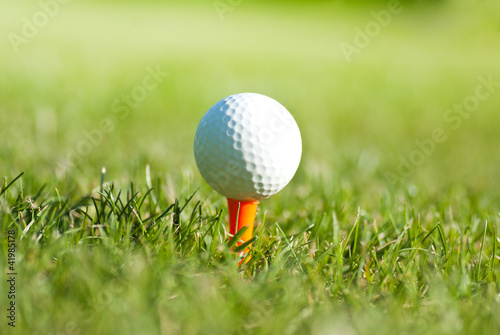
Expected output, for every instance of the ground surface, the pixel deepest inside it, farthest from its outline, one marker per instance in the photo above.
(389, 227)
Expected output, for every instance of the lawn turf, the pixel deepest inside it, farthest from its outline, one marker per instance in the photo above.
(360, 242)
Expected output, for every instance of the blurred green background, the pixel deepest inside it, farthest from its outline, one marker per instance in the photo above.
(356, 117)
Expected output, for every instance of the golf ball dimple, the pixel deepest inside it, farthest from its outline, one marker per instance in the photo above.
(247, 147)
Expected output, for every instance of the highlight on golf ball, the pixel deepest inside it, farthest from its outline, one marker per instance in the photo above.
(247, 147)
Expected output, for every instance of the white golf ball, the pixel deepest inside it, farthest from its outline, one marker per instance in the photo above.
(247, 147)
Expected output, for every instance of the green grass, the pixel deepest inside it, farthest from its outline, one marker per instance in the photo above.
(143, 248)
(131, 261)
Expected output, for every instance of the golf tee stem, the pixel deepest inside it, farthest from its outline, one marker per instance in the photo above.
(242, 214)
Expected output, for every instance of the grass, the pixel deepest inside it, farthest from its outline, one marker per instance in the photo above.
(143, 248)
(130, 261)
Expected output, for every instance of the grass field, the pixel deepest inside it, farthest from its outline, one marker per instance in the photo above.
(391, 225)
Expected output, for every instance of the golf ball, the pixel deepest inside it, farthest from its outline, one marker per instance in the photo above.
(247, 147)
